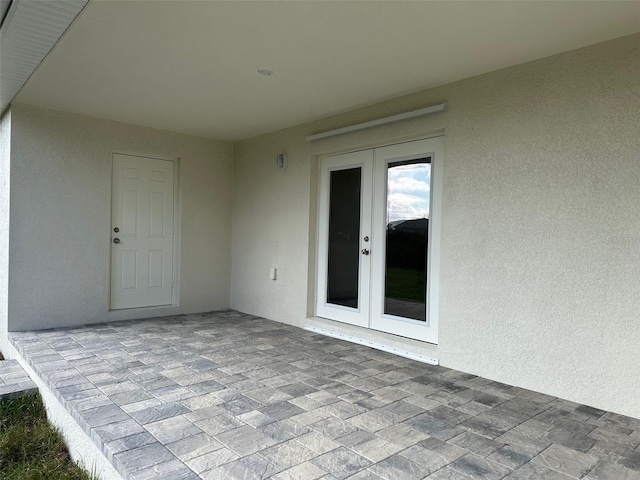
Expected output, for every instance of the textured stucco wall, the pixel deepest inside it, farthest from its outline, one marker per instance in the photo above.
(540, 230)
(5, 159)
(61, 215)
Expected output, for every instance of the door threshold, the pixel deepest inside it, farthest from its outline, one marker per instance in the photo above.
(378, 346)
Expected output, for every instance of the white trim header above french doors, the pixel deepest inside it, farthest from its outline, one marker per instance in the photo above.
(379, 238)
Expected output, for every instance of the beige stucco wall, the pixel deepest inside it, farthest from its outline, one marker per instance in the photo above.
(5, 162)
(61, 216)
(540, 233)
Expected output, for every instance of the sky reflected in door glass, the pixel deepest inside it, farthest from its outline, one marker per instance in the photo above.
(408, 189)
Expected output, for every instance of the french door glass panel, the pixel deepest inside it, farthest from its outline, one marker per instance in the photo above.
(344, 237)
(407, 208)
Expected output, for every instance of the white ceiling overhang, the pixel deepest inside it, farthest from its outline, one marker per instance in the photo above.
(28, 31)
(192, 66)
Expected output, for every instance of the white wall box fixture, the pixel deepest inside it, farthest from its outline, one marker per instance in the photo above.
(282, 161)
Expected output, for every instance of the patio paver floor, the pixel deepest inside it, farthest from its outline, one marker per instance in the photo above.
(226, 395)
(14, 381)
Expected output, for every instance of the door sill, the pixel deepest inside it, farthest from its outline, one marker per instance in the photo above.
(378, 346)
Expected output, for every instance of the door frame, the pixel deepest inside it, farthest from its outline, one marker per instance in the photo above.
(434, 247)
(177, 225)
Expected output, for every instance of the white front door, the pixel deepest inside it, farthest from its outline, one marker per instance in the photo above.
(379, 224)
(142, 232)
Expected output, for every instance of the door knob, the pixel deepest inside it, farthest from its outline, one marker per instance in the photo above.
(116, 240)
(365, 251)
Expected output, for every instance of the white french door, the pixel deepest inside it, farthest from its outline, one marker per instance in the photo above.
(142, 232)
(379, 227)
(344, 224)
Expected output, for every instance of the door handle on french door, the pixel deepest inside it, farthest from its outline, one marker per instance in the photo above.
(365, 251)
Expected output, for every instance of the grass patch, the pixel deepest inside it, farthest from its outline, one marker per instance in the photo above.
(406, 284)
(31, 448)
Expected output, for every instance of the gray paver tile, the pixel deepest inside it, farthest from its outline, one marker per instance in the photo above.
(630, 460)
(203, 413)
(487, 425)
(402, 434)
(611, 471)
(374, 420)
(341, 462)
(99, 416)
(219, 424)
(147, 415)
(317, 442)
(90, 402)
(434, 427)
(245, 440)
(428, 458)
(398, 467)
(447, 474)
(342, 409)
(205, 387)
(252, 467)
(172, 393)
(333, 427)
(143, 457)
(449, 415)
(376, 449)
(533, 471)
(476, 443)
(565, 460)
(211, 460)
(133, 396)
(306, 470)
(240, 405)
(510, 456)
(130, 442)
(284, 430)
(116, 430)
(314, 416)
(479, 468)
(282, 410)
(287, 454)
(173, 469)
(575, 441)
(134, 407)
(256, 418)
(193, 446)
(172, 429)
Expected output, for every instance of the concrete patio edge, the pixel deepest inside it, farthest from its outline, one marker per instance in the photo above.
(81, 448)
